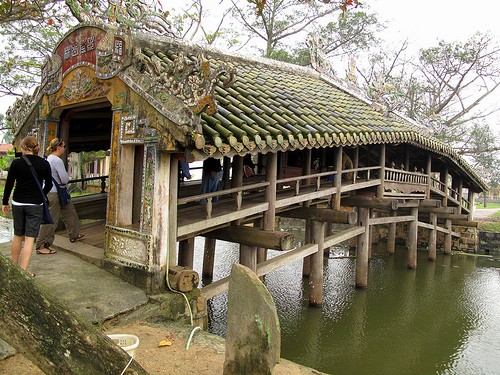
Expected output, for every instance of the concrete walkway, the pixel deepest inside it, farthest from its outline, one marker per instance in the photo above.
(86, 289)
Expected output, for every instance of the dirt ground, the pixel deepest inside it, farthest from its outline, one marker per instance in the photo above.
(204, 356)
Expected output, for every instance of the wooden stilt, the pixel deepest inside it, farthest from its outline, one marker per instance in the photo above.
(338, 178)
(412, 239)
(172, 209)
(316, 279)
(209, 257)
(447, 236)
(380, 188)
(391, 239)
(362, 249)
(261, 251)
(432, 238)
(248, 257)
(186, 253)
(306, 264)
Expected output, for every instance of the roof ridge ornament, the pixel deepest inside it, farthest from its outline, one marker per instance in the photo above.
(319, 60)
(190, 79)
(144, 15)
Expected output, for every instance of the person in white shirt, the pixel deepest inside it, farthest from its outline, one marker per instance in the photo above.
(67, 213)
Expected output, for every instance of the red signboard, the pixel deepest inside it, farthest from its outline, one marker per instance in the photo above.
(79, 48)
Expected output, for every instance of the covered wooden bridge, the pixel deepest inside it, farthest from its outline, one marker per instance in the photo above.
(319, 152)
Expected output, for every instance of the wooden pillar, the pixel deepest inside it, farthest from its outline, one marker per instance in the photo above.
(338, 177)
(407, 158)
(209, 257)
(307, 166)
(412, 239)
(445, 179)
(447, 236)
(316, 279)
(460, 191)
(186, 253)
(432, 237)
(362, 249)
(428, 170)
(226, 168)
(172, 211)
(391, 238)
(261, 252)
(355, 163)
(306, 263)
(271, 177)
(381, 188)
(471, 197)
(237, 172)
(164, 218)
(237, 177)
(248, 257)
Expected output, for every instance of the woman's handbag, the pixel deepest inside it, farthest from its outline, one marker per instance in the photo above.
(62, 193)
(47, 217)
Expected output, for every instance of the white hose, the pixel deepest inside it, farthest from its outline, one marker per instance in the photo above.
(191, 336)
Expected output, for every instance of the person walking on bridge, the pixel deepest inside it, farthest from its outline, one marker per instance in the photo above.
(27, 209)
(68, 212)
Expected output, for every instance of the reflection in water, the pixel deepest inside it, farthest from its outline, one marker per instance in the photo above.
(442, 318)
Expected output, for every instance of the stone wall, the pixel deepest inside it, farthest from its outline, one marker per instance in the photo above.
(468, 241)
(489, 242)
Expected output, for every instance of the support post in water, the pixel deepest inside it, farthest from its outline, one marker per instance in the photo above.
(316, 279)
(362, 249)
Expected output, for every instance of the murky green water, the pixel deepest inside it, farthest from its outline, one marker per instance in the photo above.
(443, 318)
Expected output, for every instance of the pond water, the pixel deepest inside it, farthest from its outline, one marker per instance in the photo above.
(443, 318)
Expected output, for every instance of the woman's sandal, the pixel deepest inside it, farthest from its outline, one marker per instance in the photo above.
(32, 274)
(43, 252)
(76, 238)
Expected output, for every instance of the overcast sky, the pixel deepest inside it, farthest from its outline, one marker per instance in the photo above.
(423, 22)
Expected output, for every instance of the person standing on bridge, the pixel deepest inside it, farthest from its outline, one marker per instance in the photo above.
(27, 209)
(68, 212)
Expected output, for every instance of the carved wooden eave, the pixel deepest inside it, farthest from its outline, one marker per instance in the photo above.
(178, 89)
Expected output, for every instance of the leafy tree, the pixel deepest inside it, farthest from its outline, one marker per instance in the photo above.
(444, 89)
(26, 43)
(6, 160)
(280, 19)
(458, 77)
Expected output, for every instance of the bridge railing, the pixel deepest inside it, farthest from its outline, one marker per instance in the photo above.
(397, 175)
(84, 182)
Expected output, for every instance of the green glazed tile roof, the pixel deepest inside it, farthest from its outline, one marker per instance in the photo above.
(273, 106)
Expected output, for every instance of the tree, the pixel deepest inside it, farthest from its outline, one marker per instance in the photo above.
(443, 89)
(6, 160)
(280, 19)
(26, 44)
(458, 77)
(347, 35)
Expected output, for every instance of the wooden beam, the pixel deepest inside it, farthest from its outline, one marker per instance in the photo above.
(285, 259)
(222, 285)
(250, 236)
(370, 202)
(420, 203)
(452, 216)
(437, 210)
(322, 214)
(391, 219)
(465, 223)
(343, 236)
(429, 203)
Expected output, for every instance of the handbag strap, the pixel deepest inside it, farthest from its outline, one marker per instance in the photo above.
(58, 186)
(35, 176)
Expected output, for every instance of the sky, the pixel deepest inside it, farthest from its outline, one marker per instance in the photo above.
(423, 22)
